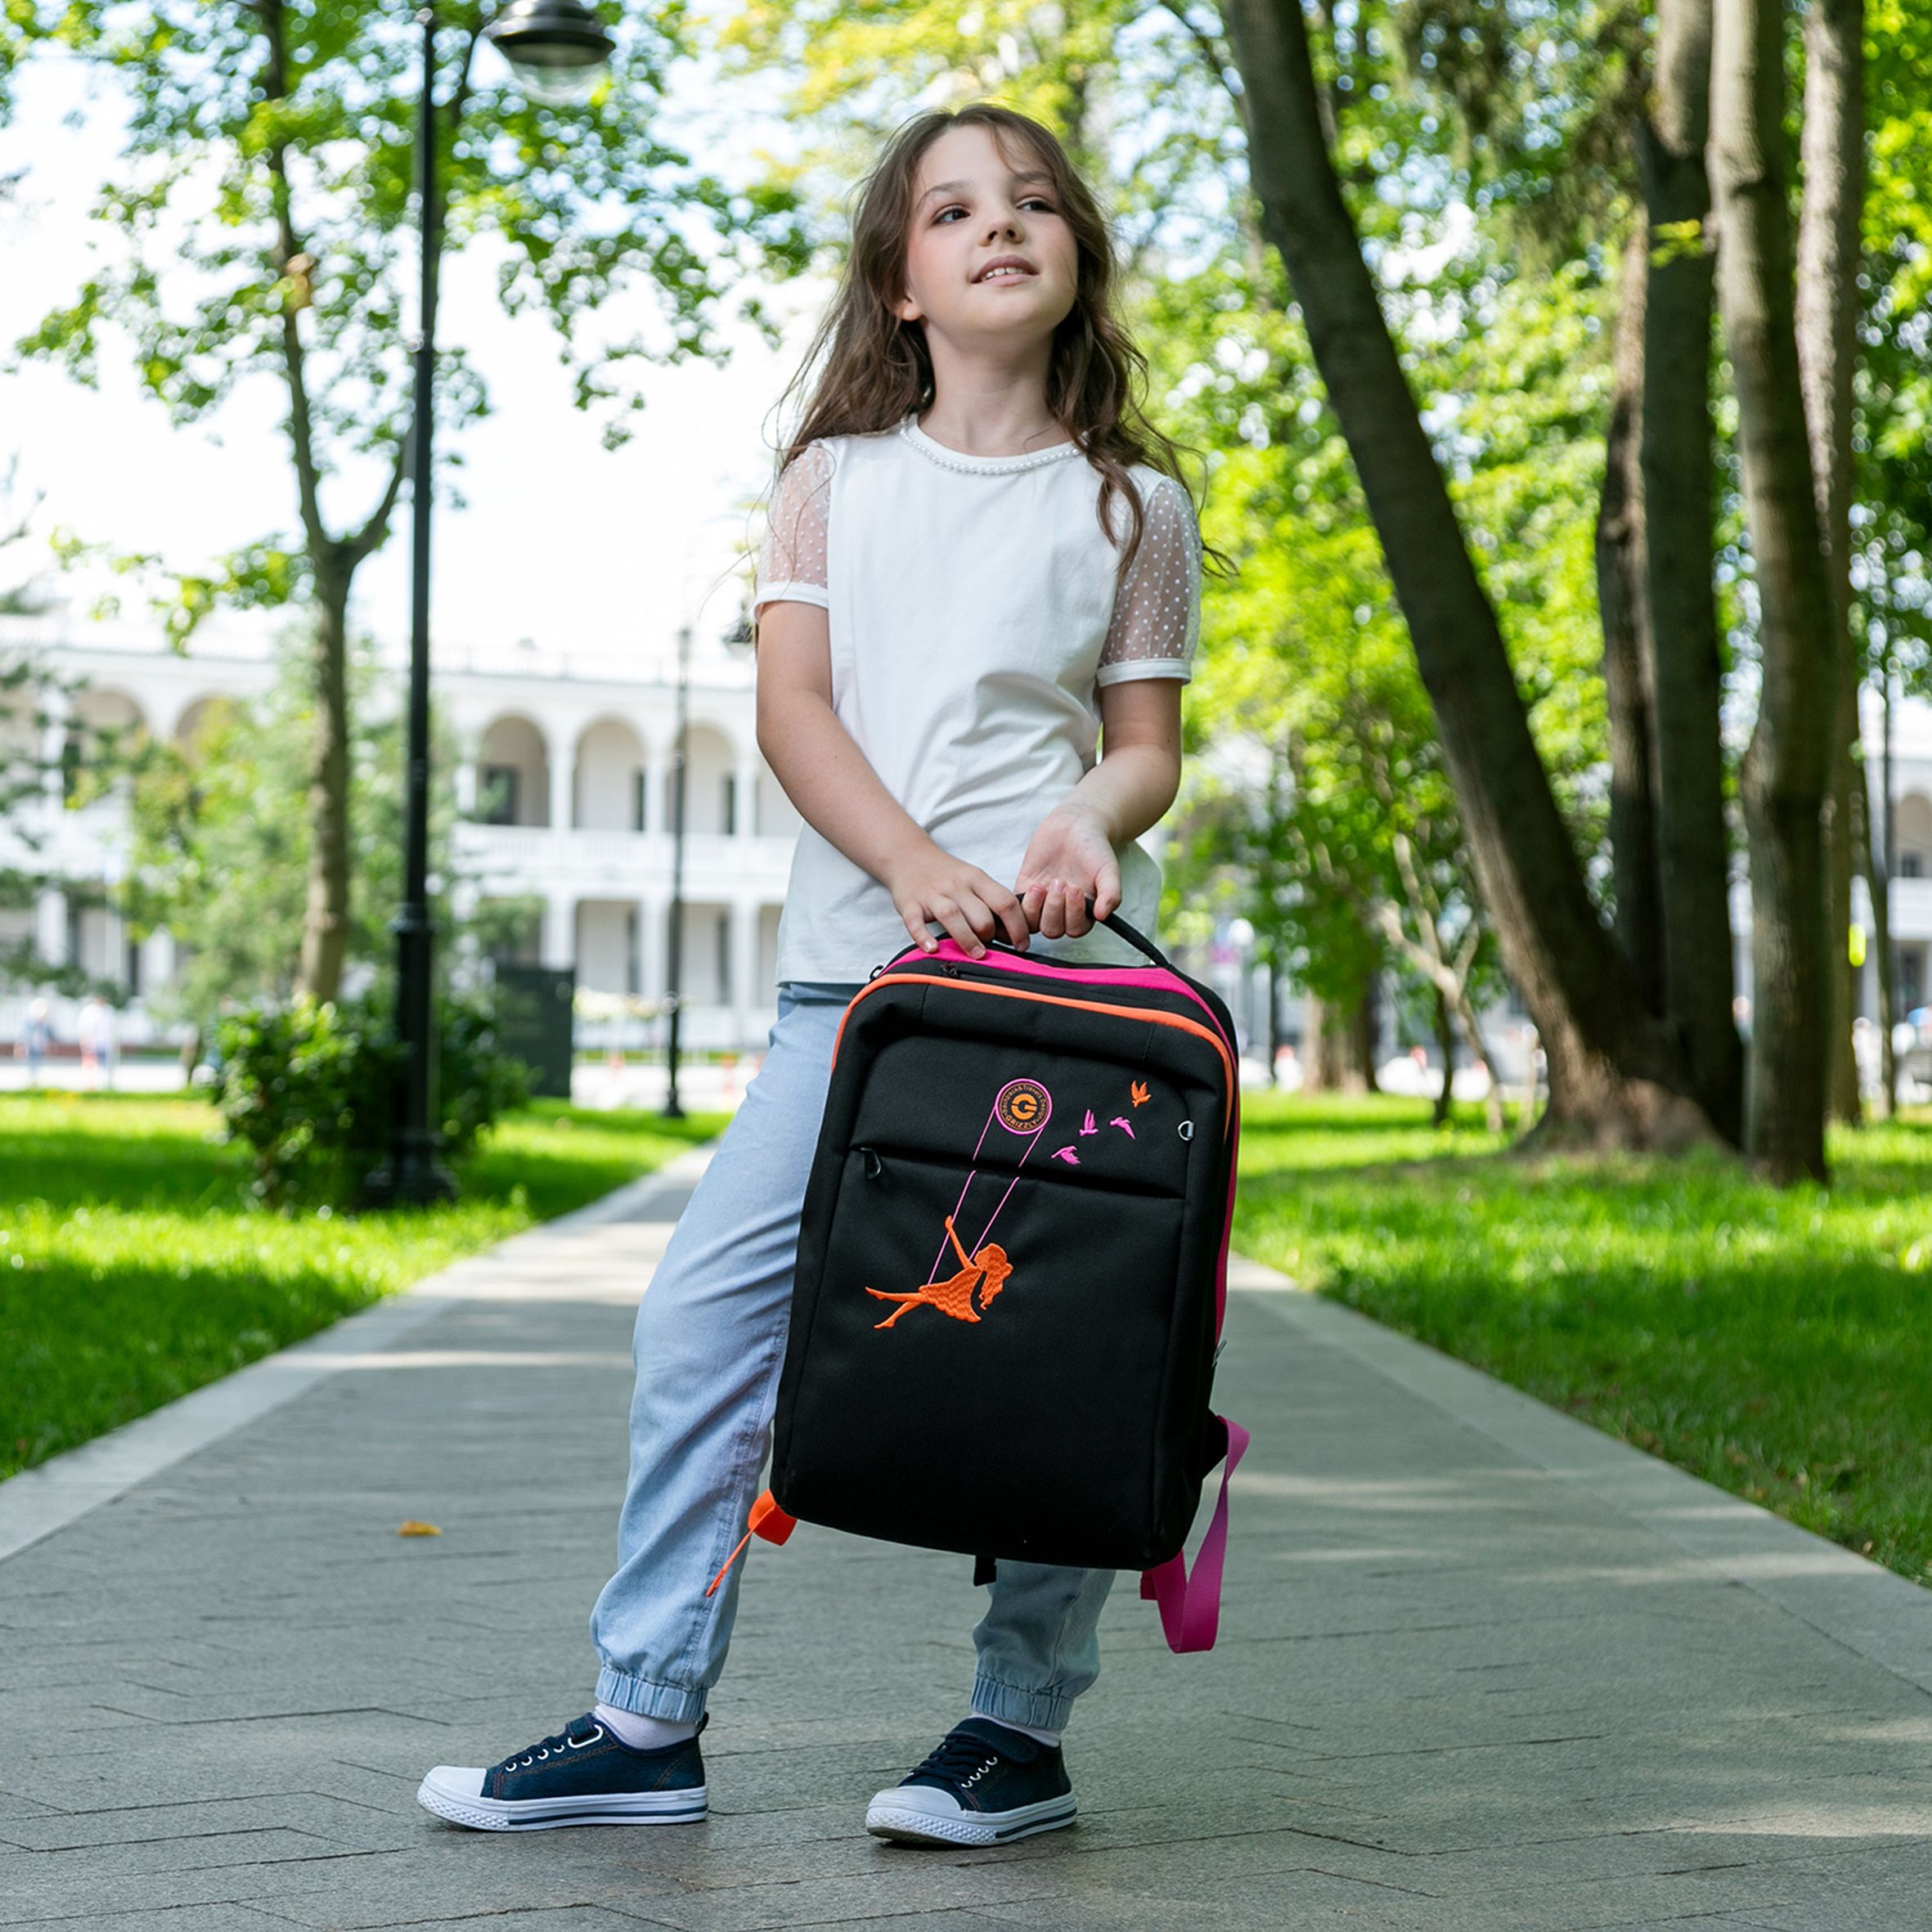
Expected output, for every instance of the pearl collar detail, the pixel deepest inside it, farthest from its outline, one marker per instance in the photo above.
(952, 459)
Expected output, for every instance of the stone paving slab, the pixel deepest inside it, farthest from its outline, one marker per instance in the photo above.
(1480, 1667)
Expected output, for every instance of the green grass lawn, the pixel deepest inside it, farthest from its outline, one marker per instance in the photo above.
(1778, 1345)
(131, 1270)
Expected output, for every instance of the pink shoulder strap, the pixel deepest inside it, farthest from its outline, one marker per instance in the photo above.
(1191, 1605)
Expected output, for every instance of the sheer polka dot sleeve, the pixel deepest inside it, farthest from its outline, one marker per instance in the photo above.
(1156, 614)
(792, 563)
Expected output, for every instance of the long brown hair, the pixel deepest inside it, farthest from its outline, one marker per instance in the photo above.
(876, 369)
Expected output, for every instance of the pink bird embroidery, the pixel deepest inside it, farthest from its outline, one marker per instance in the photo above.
(1067, 1155)
(1116, 1121)
(1088, 1127)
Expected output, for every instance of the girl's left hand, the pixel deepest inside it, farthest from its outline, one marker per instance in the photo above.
(1070, 860)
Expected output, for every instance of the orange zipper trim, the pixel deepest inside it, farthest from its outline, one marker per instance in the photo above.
(1132, 1013)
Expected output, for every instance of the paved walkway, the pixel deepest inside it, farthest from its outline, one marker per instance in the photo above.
(1480, 1666)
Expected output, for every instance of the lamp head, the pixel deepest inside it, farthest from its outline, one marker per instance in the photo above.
(557, 49)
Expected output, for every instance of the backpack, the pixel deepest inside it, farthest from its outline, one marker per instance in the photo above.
(1012, 1272)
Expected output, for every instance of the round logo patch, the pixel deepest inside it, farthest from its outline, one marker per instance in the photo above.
(1023, 1106)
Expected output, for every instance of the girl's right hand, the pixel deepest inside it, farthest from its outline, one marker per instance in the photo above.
(972, 905)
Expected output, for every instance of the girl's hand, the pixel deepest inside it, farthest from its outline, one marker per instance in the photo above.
(972, 905)
(1070, 860)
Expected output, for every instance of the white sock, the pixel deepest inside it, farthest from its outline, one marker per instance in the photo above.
(1025, 1730)
(642, 1734)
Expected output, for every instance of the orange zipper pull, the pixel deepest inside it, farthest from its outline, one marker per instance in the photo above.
(766, 1520)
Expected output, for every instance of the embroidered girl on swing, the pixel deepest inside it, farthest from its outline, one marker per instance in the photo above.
(978, 600)
(1023, 1108)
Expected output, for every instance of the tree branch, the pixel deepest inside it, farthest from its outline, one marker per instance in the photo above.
(1397, 934)
(459, 98)
(376, 528)
(1211, 50)
(287, 251)
(1328, 100)
(1418, 901)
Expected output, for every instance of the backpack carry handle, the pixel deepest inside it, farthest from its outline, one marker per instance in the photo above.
(1135, 938)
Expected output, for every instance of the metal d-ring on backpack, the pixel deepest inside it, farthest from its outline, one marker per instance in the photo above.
(1012, 1272)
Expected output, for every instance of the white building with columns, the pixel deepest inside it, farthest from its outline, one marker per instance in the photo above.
(564, 784)
(565, 787)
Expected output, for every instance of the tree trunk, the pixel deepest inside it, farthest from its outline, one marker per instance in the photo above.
(1626, 652)
(1833, 156)
(1615, 1078)
(1318, 1069)
(1787, 766)
(325, 922)
(1841, 991)
(332, 561)
(1479, 1051)
(1686, 674)
(1445, 1043)
(1337, 1042)
(1361, 1028)
(1881, 943)
(1276, 1038)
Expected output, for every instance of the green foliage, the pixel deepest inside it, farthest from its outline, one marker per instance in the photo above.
(476, 1082)
(222, 831)
(313, 1086)
(853, 71)
(1517, 396)
(1536, 100)
(22, 593)
(261, 224)
(1892, 532)
(302, 1085)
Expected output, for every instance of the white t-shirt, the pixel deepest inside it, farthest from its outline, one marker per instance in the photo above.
(973, 615)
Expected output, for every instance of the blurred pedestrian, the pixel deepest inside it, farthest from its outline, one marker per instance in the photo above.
(36, 1035)
(91, 1029)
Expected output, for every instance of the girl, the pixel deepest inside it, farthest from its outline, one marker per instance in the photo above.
(973, 571)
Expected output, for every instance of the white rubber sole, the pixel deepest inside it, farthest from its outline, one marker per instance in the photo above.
(547, 1814)
(888, 1817)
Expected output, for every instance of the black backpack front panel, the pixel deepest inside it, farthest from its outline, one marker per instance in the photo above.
(1038, 1390)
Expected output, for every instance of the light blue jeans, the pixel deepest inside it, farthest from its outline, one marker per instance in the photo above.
(709, 1342)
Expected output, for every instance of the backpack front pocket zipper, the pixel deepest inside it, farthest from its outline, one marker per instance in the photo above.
(951, 976)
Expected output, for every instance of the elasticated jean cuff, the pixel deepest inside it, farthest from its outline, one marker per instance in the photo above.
(1045, 1710)
(644, 1699)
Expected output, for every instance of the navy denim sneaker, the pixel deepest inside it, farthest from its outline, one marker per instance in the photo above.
(583, 1776)
(983, 1785)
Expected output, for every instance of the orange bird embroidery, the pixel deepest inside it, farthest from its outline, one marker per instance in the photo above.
(1139, 1093)
(986, 1271)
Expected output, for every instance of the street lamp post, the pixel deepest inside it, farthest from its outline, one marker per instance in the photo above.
(557, 50)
